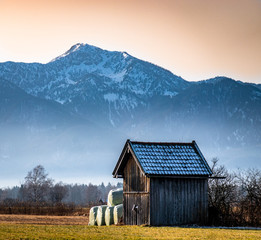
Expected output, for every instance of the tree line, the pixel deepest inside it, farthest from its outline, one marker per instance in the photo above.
(40, 192)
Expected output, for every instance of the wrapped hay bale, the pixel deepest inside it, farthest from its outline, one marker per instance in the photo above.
(118, 213)
(109, 216)
(93, 215)
(115, 197)
(101, 215)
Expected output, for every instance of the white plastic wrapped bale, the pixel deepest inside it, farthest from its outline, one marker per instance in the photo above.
(115, 197)
(93, 215)
(101, 215)
(109, 216)
(118, 213)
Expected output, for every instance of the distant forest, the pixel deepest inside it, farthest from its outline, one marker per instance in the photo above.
(40, 195)
(234, 197)
(78, 194)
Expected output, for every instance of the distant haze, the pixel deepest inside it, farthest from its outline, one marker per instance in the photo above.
(196, 39)
(74, 114)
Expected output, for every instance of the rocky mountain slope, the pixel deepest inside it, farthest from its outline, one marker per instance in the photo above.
(19, 107)
(92, 81)
(89, 97)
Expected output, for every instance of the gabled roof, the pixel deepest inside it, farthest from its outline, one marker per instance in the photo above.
(164, 159)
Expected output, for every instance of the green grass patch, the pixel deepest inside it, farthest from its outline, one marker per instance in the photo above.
(29, 231)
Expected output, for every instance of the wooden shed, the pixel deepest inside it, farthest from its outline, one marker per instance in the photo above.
(163, 183)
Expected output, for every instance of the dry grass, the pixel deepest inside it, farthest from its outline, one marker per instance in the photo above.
(44, 220)
(44, 227)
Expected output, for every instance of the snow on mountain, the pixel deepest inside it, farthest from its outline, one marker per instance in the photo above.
(116, 88)
(18, 107)
(86, 73)
(62, 112)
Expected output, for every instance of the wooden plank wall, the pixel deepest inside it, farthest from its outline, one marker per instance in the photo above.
(133, 179)
(135, 192)
(141, 214)
(176, 201)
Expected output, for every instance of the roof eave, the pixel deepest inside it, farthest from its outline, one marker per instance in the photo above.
(127, 147)
(202, 157)
(176, 176)
(116, 169)
(136, 158)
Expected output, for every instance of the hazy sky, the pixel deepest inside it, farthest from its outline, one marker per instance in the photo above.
(196, 39)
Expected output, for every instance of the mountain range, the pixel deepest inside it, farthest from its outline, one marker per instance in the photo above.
(76, 111)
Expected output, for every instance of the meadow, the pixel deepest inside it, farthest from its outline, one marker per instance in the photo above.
(44, 227)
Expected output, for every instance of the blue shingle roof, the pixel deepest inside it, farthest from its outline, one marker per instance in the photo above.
(170, 158)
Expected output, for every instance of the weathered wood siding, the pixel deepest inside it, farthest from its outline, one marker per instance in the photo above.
(175, 201)
(140, 215)
(135, 192)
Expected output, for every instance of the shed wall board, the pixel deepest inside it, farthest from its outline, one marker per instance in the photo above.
(135, 192)
(178, 201)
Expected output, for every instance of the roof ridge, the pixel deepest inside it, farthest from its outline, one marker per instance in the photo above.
(163, 143)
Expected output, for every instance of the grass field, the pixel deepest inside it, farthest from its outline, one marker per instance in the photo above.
(67, 228)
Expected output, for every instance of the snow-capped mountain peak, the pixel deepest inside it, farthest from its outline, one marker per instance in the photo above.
(112, 86)
(74, 48)
(108, 96)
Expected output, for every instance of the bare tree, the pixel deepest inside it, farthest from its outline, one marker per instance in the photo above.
(58, 192)
(222, 194)
(93, 194)
(37, 185)
(249, 183)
